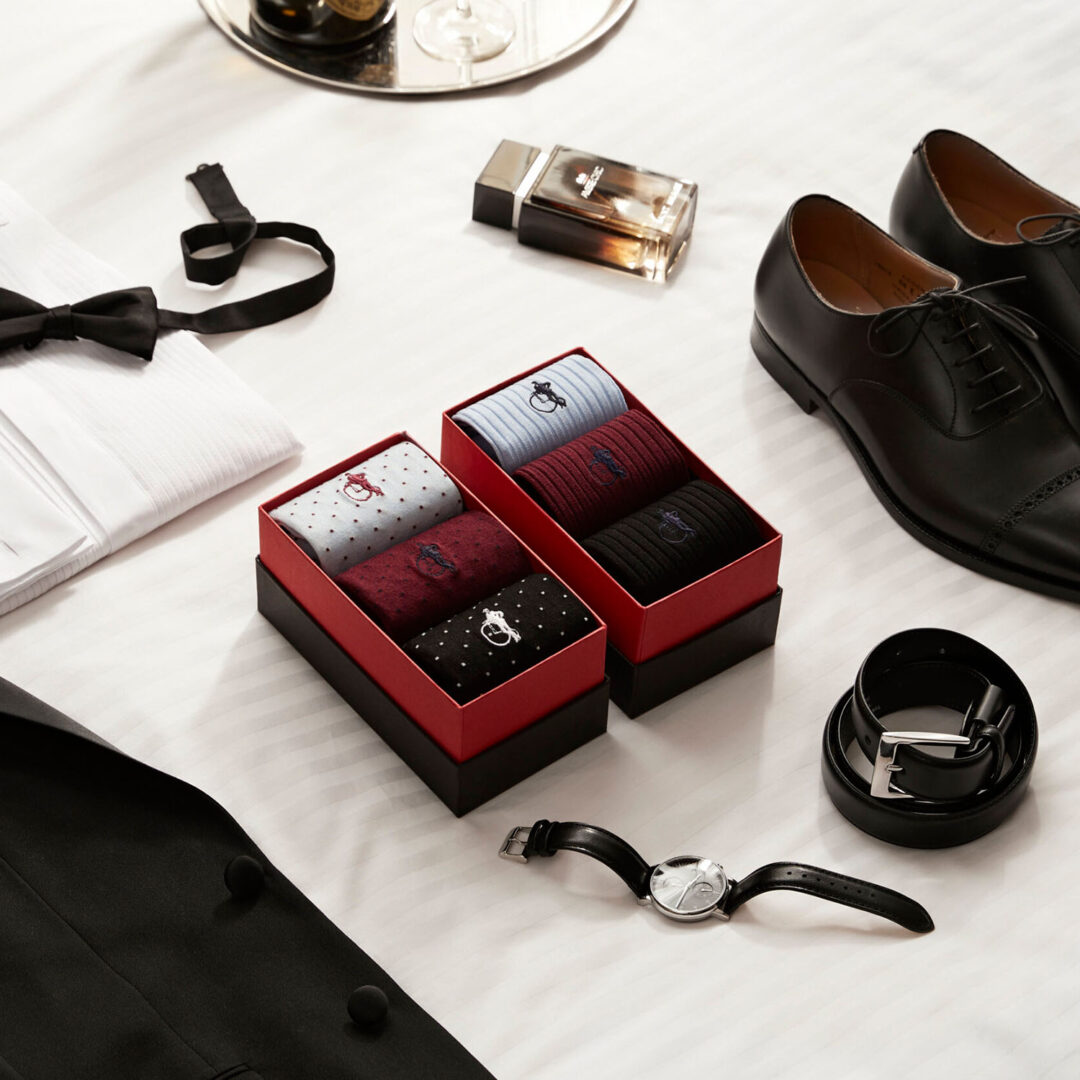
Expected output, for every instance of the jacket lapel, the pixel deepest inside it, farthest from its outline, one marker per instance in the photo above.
(19, 705)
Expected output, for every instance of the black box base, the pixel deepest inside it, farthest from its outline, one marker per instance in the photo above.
(636, 688)
(462, 785)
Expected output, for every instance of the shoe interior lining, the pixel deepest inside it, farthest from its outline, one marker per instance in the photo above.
(853, 265)
(988, 196)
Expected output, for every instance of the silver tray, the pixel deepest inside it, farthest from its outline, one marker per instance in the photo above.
(390, 62)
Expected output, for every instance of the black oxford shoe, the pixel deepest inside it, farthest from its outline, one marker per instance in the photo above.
(936, 391)
(961, 206)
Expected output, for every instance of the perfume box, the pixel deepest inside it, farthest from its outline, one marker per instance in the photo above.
(466, 753)
(657, 650)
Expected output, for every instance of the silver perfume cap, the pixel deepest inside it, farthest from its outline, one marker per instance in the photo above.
(497, 186)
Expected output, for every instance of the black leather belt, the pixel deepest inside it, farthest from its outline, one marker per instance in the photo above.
(915, 798)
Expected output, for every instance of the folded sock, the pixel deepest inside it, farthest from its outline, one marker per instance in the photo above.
(542, 411)
(443, 570)
(370, 507)
(606, 474)
(685, 535)
(500, 637)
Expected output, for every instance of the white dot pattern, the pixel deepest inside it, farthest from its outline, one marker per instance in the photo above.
(370, 507)
(493, 641)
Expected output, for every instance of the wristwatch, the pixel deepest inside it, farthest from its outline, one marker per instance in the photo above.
(689, 888)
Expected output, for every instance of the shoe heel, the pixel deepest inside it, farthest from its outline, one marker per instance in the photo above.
(781, 368)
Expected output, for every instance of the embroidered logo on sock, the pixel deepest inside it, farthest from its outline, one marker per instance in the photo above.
(672, 527)
(496, 630)
(359, 488)
(544, 399)
(431, 562)
(605, 467)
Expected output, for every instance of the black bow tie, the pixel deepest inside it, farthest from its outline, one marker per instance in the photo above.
(126, 319)
(130, 319)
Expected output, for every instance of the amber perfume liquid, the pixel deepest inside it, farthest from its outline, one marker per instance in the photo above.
(590, 207)
(332, 24)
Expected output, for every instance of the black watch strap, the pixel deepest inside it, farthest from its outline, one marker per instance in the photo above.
(545, 838)
(829, 886)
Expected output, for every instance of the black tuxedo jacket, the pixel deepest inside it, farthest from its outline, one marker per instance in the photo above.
(123, 956)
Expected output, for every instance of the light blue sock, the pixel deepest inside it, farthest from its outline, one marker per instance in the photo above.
(543, 411)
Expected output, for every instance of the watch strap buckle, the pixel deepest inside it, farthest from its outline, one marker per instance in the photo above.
(882, 785)
(516, 844)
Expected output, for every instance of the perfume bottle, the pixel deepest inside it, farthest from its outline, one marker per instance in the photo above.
(321, 23)
(587, 206)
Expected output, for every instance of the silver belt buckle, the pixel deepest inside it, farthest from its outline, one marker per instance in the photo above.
(513, 847)
(881, 785)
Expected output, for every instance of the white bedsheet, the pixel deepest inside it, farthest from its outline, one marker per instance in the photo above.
(551, 972)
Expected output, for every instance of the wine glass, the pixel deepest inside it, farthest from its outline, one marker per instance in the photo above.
(464, 30)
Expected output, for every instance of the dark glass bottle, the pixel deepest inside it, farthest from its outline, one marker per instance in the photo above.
(321, 23)
(591, 207)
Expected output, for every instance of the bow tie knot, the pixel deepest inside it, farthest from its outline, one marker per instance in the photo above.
(58, 325)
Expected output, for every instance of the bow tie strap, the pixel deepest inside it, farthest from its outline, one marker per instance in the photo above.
(130, 320)
(238, 228)
(268, 307)
(235, 220)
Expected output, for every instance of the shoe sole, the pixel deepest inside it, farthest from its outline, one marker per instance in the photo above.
(809, 399)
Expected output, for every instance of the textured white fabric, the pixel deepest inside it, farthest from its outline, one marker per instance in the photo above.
(550, 971)
(116, 446)
(38, 536)
(370, 507)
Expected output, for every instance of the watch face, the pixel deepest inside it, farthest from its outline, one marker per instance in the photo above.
(687, 887)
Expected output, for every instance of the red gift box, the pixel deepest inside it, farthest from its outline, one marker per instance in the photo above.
(463, 731)
(639, 632)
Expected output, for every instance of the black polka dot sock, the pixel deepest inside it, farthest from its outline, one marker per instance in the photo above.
(500, 637)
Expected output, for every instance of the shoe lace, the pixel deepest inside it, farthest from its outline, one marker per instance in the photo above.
(970, 311)
(1066, 230)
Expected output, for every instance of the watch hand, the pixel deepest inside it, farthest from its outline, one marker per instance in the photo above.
(690, 885)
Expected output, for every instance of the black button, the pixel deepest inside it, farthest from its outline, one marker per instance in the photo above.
(368, 1006)
(245, 877)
